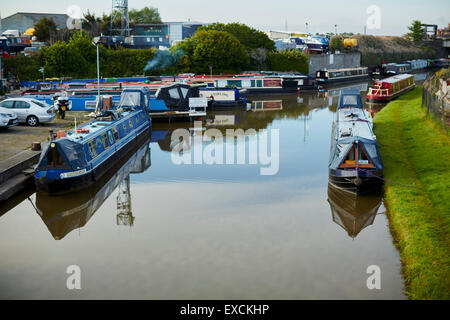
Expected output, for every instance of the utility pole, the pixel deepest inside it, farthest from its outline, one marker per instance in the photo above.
(307, 28)
(335, 28)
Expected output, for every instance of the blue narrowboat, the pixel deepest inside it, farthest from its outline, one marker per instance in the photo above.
(81, 157)
(355, 164)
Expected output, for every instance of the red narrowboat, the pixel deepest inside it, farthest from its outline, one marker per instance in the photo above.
(390, 88)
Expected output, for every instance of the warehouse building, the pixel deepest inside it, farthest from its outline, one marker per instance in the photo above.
(22, 21)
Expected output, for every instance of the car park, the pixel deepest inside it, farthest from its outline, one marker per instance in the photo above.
(29, 111)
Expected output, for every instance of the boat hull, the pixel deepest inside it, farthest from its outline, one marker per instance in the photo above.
(332, 82)
(363, 182)
(384, 99)
(63, 186)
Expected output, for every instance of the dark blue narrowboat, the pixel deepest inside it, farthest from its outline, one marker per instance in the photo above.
(355, 164)
(83, 155)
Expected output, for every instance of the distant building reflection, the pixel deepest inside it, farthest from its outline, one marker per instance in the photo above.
(63, 214)
(351, 212)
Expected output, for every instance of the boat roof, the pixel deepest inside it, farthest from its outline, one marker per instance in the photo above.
(345, 69)
(92, 127)
(352, 120)
(397, 78)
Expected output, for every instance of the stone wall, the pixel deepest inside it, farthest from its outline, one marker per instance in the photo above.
(333, 61)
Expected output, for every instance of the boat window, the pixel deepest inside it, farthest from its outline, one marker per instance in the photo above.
(184, 92)
(362, 157)
(129, 99)
(116, 133)
(350, 100)
(110, 138)
(105, 140)
(174, 94)
(358, 152)
(350, 158)
(92, 149)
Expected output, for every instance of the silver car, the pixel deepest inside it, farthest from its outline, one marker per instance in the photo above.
(29, 111)
(7, 119)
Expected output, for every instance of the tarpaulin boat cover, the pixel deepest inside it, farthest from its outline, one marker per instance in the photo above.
(176, 96)
(72, 154)
(341, 148)
(135, 98)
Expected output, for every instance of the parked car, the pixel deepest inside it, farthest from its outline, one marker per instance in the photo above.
(29, 111)
(8, 119)
(30, 51)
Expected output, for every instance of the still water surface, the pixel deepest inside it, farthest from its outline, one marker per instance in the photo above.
(155, 230)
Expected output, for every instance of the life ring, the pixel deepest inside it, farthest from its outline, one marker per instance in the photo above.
(82, 131)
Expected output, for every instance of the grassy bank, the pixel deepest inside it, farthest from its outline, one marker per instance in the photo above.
(416, 151)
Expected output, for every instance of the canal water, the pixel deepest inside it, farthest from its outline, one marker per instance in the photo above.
(159, 230)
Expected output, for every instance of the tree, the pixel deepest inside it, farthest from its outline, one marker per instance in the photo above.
(249, 37)
(146, 15)
(44, 28)
(336, 44)
(211, 47)
(417, 31)
(288, 60)
(91, 24)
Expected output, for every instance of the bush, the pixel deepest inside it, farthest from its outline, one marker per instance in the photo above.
(337, 44)
(288, 60)
(78, 59)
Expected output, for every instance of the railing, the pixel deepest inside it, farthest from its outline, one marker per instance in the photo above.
(439, 109)
(379, 92)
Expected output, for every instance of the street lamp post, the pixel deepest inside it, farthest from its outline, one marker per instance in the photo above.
(96, 42)
(210, 70)
(42, 70)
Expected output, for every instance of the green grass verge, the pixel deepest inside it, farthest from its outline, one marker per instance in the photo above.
(416, 151)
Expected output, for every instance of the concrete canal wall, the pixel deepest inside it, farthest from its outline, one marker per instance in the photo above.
(16, 173)
(333, 61)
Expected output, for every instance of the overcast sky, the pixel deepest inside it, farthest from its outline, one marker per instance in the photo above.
(322, 15)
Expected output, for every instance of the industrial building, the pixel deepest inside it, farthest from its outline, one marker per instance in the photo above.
(22, 21)
(168, 33)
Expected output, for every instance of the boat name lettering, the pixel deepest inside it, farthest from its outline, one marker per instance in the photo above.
(72, 174)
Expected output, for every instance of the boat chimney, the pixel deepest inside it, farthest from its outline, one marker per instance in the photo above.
(52, 135)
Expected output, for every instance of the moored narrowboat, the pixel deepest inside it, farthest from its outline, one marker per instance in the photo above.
(332, 76)
(78, 158)
(63, 214)
(397, 68)
(270, 83)
(387, 89)
(223, 98)
(355, 164)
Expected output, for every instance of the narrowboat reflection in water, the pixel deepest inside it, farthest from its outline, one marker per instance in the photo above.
(82, 156)
(353, 213)
(64, 214)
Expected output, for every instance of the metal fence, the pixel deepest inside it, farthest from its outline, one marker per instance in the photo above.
(437, 108)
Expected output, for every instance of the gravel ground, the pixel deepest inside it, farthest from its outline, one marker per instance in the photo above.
(16, 139)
